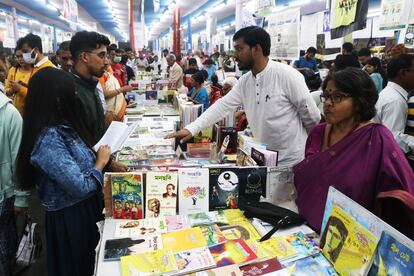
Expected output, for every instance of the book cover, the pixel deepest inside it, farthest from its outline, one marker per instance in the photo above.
(193, 190)
(232, 252)
(207, 218)
(392, 257)
(150, 263)
(212, 234)
(278, 247)
(194, 260)
(347, 245)
(151, 95)
(204, 136)
(127, 196)
(252, 185)
(161, 194)
(243, 159)
(175, 223)
(220, 133)
(116, 248)
(244, 231)
(232, 270)
(107, 190)
(224, 188)
(265, 157)
(141, 227)
(261, 268)
(316, 265)
(234, 216)
(184, 239)
(303, 245)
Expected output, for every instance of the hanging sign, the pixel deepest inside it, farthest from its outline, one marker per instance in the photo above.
(394, 14)
(70, 10)
(264, 7)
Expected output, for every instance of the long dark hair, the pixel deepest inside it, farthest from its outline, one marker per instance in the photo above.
(50, 101)
(376, 62)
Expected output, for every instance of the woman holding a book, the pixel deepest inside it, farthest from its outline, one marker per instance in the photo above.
(56, 157)
(350, 152)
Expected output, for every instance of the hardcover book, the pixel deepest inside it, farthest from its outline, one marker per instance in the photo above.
(224, 188)
(161, 194)
(193, 190)
(156, 262)
(127, 196)
(232, 252)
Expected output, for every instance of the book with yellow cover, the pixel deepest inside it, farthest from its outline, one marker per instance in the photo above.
(184, 239)
(212, 234)
(234, 216)
(244, 231)
(278, 247)
(346, 244)
(155, 262)
(233, 252)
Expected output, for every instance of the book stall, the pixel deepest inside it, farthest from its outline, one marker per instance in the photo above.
(200, 208)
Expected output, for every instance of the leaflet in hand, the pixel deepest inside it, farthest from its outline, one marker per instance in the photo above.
(115, 136)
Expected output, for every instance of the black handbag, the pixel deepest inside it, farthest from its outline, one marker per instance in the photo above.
(279, 217)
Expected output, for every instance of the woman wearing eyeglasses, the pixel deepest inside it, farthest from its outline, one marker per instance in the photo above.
(18, 79)
(349, 151)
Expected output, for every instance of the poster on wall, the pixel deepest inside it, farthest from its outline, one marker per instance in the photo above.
(409, 36)
(343, 12)
(8, 34)
(249, 19)
(283, 28)
(264, 7)
(358, 11)
(394, 14)
(70, 10)
(308, 31)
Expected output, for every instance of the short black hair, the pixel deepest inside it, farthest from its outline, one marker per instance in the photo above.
(192, 61)
(348, 46)
(34, 41)
(127, 49)
(19, 44)
(311, 50)
(199, 76)
(165, 51)
(344, 61)
(214, 79)
(253, 36)
(364, 52)
(397, 63)
(64, 46)
(111, 48)
(360, 86)
(86, 41)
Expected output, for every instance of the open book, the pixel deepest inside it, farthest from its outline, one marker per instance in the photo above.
(115, 136)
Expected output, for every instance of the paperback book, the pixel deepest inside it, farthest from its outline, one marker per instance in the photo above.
(127, 196)
(184, 239)
(179, 222)
(266, 267)
(232, 270)
(212, 234)
(194, 260)
(138, 228)
(224, 188)
(316, 265)
(193, 190)
(209, 218)
(161, 194)
(156, 262)
(244, 231)
(117, 248)
(232, 252)
(252, 185)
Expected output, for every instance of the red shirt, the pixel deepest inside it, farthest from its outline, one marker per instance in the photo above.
(119, 73)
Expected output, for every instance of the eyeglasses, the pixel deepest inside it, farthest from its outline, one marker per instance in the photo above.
(101, 55)
(334, 97)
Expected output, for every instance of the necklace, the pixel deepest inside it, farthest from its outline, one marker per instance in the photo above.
(330, 134)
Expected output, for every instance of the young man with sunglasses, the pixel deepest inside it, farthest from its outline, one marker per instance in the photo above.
(89, 53)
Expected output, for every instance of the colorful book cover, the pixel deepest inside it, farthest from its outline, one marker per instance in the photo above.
(278, 247)
(212, 234)
(252, 185)
(224, 188)
(116, 248)
(244, 231)
(347, 245)
(194, 260)
(161, 194)
(184, 239)
(137, 228)
(150, 263)
(232, 270)
(392, 257)
(151, 95)
(175, 223)
(234, 216)
(207, 218)
(316, 265)
(193, 190)
(303, 245)
(232, 252)
(127, 196)
(261, 268)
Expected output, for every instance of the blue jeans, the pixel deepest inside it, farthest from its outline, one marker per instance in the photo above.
(8, 235)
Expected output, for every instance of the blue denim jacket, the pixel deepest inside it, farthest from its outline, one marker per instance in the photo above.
(65, 172)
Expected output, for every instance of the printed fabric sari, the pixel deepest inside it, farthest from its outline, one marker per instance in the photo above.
(364, 163)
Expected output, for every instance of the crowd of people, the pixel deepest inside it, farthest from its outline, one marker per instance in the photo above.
(52, 114)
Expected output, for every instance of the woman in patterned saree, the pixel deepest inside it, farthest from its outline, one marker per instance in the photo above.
(349, 151)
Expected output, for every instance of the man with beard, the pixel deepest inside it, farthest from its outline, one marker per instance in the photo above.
(90, 60)
(278, 105)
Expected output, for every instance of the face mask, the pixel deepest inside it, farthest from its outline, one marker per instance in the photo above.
(30, 58)
(117, 59)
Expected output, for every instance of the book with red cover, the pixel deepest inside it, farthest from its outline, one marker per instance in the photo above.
(261, 268)
(232, 252)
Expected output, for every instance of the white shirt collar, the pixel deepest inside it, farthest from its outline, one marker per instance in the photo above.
(263, 72)
(399, 89)
(41, 62)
